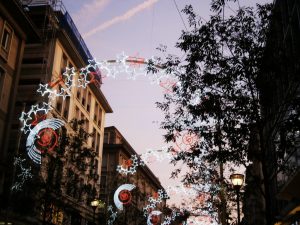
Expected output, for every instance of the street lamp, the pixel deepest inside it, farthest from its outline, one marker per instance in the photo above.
(95, 204)
(237, 180)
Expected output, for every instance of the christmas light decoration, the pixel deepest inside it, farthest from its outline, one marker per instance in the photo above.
(132, 164)
(112, 215)
(27, 118)
(154, 200)
(185, 141)
(169, 219)
(122, 195)
(33, 136)
(152, 155)
(24, 175)
(153, 217)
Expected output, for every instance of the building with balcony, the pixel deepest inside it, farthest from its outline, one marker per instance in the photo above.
(44, 59)
(117, 151)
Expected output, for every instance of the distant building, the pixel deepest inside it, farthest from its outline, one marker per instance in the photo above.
(44, 61)
(116, 151)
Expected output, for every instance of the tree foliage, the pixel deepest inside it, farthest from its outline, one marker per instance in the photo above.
(65, 179)
(217, 93)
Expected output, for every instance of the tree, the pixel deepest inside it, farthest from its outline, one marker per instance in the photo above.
(217, 95)
(67, 172)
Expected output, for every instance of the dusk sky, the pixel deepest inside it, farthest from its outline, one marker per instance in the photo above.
(136, 27)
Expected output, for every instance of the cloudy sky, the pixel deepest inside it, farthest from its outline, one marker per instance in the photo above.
(136, 27)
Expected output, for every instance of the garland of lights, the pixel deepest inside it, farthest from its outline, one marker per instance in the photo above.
(133, 67)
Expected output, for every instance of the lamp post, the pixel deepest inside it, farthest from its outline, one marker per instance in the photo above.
(237, 180)
(95, 204)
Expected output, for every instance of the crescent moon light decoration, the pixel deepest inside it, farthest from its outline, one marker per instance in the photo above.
(34, 135)
(122, 195)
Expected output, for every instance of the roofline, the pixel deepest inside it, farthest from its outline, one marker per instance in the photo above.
(28, 23)
(100, 96)
(126, 146)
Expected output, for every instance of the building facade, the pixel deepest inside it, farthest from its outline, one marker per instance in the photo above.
(16, 29)
(117, 151)
(44, 61)
(280, 109)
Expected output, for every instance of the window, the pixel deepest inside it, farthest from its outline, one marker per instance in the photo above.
(78, 93)
(63, 63)
(103, 182)
(6, 38)
(77, 113)
(96, 111)
(99, 117)
(106, 138)
(83, 96)
(2, 76)
(59, 104)
(98, 143)
(88, 105)
(66, 108)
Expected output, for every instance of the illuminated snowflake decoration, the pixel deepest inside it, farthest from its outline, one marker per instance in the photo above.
(112, 215)
(153, 201)
(24, 175)
(132, 164)
(172, 217)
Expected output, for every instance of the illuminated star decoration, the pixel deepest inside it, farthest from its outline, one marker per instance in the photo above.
(122, 195)
(112, 215)
(63, 90)
(24, 175)
(134, 162)
(26, 118)
(32, 151)
(133, 66)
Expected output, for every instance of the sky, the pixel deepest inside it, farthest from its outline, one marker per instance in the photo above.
(136, 27)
